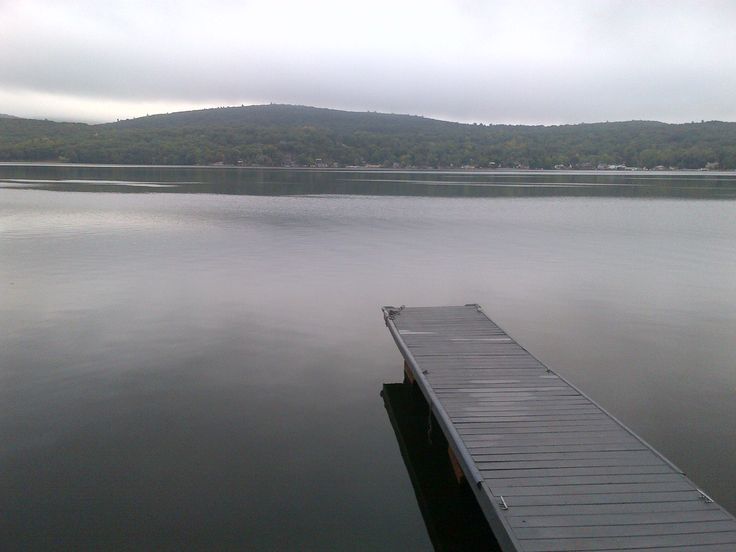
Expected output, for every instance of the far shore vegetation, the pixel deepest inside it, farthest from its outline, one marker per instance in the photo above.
(298, 136)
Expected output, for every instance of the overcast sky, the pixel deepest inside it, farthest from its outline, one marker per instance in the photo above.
(465, 60)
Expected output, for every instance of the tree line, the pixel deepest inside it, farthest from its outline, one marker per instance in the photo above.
(301, 136)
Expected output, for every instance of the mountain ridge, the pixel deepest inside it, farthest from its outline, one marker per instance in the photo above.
(292, 135)
(294, 109)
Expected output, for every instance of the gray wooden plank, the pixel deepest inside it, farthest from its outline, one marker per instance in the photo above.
(632, 518)
(500, 393)
(575, 413)
(542, 458)
(497, 481)
(515, 368)
(485, 449)
(573, 511)
(535, 424)
(604, 488)
(532, 474)
(488, 408)
(627, 543)
(468, 429)
(525, 418)
(478, 377)
(576, 437)
(532, 385)
(477, 363)
(602, 497)
(441, 380)
(465, 344)
(529, 416)
(476, 350)
(524, 401)
(480, 366)
(543, 435)
(474, 441)
(608, 530)
(584, 416)
(542, 390)
(515, 402)
(538, 421)
(630, 462)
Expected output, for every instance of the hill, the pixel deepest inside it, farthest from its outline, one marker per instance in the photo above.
(276, 115)
(288, 135)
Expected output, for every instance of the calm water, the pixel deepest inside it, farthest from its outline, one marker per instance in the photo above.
(193, 358)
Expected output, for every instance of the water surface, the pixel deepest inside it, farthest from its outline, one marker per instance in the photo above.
(193, 358)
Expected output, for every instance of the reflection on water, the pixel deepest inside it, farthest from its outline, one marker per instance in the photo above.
(199, 370)
(223, 180)
(454, 520)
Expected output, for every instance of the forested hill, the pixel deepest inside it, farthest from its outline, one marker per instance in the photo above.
(286, 135)
(289, 116)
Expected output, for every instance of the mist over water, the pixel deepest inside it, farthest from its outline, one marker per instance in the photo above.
(192, 358)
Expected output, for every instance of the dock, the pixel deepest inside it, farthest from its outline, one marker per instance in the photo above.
(550, 468)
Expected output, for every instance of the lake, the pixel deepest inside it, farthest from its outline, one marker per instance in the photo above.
(193, 358)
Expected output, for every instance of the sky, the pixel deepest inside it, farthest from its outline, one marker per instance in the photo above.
(520, 62)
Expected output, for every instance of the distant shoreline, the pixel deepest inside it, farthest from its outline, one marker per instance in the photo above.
(499, 170)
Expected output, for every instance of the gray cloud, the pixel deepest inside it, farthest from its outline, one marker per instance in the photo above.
(489, 61)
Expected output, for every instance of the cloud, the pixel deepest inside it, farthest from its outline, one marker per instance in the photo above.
(527, 62)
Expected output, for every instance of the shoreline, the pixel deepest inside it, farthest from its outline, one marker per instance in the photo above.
(500, 170)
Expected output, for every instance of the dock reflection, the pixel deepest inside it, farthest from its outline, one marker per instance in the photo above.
(453, 518)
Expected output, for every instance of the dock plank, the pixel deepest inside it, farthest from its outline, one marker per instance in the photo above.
(552, 471)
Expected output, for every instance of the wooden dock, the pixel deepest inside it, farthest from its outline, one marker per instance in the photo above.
(550, 468)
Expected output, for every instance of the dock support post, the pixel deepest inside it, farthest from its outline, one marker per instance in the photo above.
(456, 469)
(408, 375)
